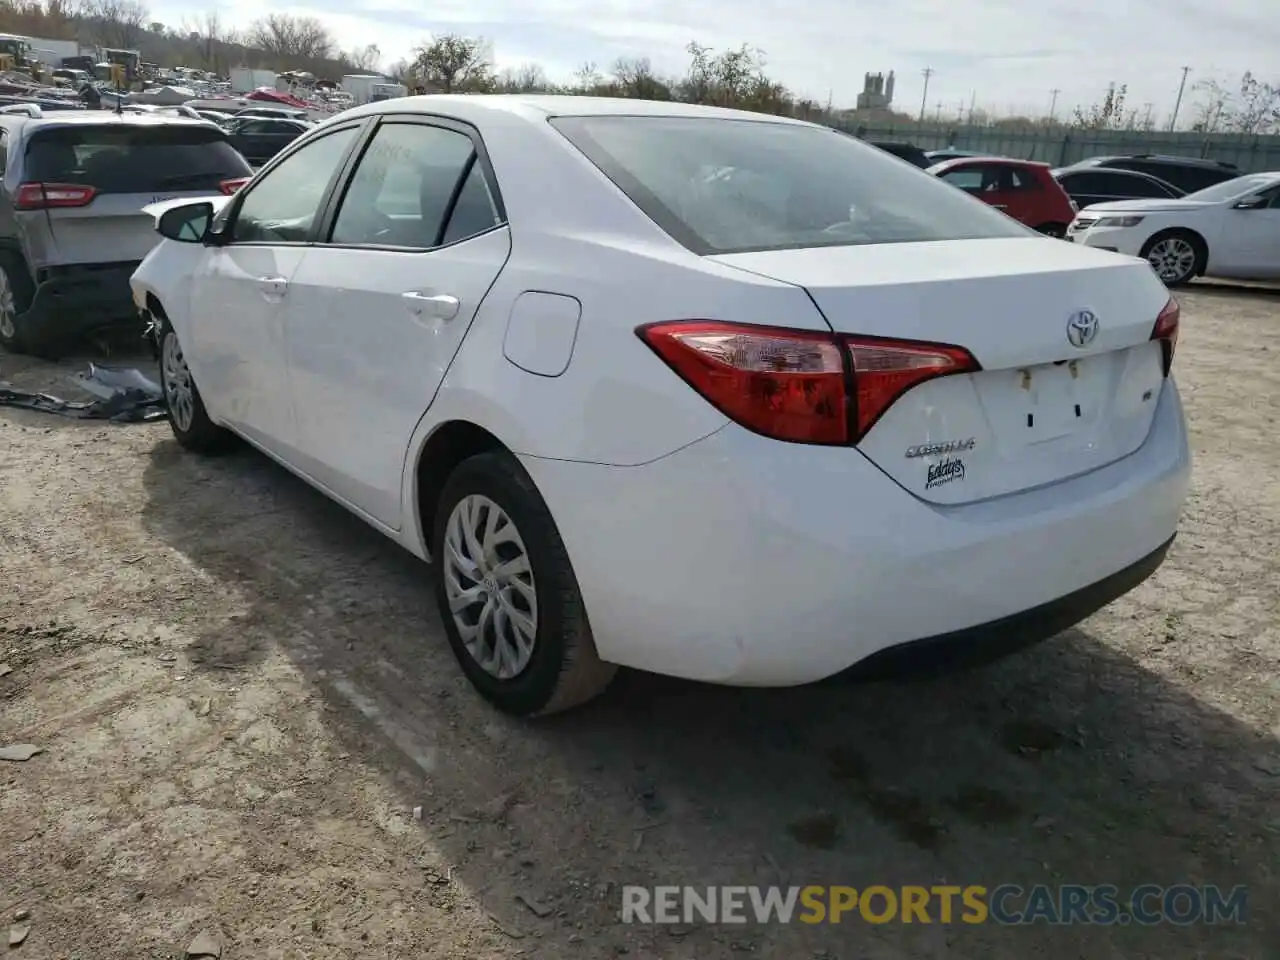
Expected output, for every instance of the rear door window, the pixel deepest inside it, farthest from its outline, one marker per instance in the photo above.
(410, 179)
(129, 158)
(1022, 179)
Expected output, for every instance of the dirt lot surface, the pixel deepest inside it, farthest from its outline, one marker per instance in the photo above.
(243, 694)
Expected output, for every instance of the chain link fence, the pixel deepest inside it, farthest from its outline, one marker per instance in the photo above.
(1059, 146)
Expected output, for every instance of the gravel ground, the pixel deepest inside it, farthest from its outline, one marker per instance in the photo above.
(243, 694)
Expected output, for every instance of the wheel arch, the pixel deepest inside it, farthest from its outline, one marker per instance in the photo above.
(448, 444)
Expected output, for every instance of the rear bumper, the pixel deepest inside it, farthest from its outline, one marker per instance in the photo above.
(74, 300)
(740, 560)
(986, 642)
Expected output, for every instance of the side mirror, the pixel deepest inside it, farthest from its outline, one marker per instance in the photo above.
(188, 223)
(1251, 203)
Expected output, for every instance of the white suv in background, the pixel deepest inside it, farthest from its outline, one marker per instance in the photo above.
(1229, 230)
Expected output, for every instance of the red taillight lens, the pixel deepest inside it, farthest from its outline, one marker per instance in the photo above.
(42, 196)
(799, 385)
(1166, 331)
(785, 384)
(231, 186)
(883, 370)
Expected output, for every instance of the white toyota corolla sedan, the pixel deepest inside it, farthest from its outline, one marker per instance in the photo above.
(706, 393)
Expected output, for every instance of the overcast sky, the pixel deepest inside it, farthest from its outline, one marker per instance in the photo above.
(1012, 53)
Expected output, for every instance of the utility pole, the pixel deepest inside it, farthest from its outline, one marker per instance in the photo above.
(937, 112)
(1178, 103)
(1053, 104)
(928, 72)
(973, 99)
(1146, 120)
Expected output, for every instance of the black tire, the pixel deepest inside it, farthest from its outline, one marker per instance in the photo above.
(17, 280)
(201, 434)
(1056, 230)
(563, 669)
(1198, 263)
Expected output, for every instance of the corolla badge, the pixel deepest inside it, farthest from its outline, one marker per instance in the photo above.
(1082, 328)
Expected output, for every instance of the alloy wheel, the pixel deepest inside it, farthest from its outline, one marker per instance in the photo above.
(179, 392)
(1173, 259)
(490, 587)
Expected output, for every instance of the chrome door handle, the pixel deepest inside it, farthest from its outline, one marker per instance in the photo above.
(273, 285)
(437, 305)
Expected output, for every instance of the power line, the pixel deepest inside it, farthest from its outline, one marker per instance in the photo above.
(1178, 103)
(928, 72)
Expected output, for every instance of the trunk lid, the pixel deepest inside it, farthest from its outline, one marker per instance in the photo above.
(113, 228)
(130, 163)
(1042, 409)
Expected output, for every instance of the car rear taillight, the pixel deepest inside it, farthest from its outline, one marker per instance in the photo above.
(883, 370)
(42, 196)
(231, 186)
(798, 385)
(1166, 331)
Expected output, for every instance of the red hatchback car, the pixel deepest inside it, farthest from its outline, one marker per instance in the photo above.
(1023, 189)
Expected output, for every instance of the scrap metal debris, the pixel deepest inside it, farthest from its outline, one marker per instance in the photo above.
(125, 395)
(536, 907)
(20, 752)
(205, 945)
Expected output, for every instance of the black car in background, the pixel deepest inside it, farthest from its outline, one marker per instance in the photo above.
(904, 151)
(1188, 174)
(1088, 185)
(261, 138)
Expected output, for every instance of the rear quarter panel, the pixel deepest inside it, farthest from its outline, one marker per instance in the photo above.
(575, 233)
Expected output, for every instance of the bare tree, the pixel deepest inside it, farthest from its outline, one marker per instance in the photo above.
(635, 78)
(455, 64)
(55, 19)
(1213, 108)
(1108, 114)
(116, 23)
(1258, 109)
(366, 59)
(587, 79)
(212, 37)
(527, 78)
(733, 78)
(402, 72)
(287, 37)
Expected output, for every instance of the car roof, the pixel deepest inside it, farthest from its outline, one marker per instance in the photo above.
(1157, 158)
(1075, 169)
(978, 158)
(62, 118)
(478, 108)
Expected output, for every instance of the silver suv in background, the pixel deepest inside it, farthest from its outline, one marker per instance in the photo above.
(72, 229)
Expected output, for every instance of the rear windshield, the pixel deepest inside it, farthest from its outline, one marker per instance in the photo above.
(1238, 187)
(124, 158)
(732, 186)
